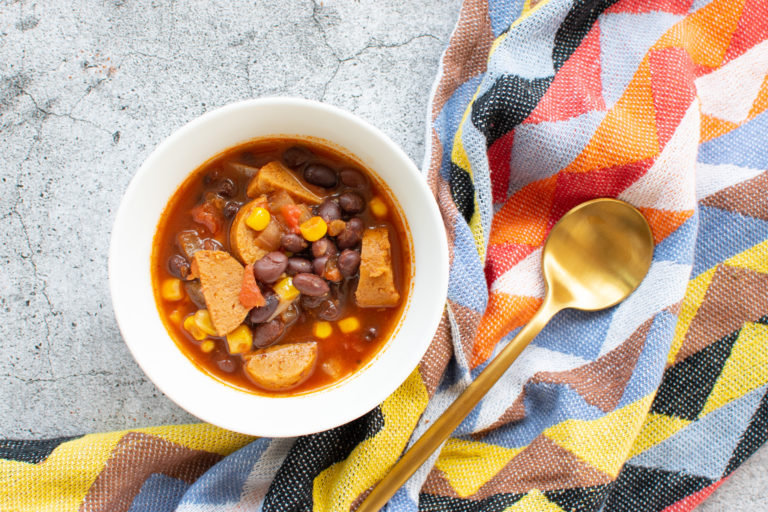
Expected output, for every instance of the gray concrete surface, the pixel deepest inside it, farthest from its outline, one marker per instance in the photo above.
(88, 88)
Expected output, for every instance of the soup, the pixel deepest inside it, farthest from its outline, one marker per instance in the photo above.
(281, 266)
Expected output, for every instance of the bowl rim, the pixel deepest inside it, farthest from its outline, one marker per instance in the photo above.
(357, 403)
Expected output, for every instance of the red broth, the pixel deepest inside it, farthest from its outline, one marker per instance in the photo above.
(223, 182)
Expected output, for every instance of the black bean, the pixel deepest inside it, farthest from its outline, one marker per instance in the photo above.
(354, 179)
(329, 210)
(320, 175)
(309, 302)
(230, 209)
(330, 310)
(318, 265)
(298, 265)
(370, 334)
(292, 242)
(353, 232)
(211, 244)
(296, 156)
(226, 188)
(178, 266)
(195, 293)
(268, 333)
(351, 202)
(269, 268)
(211, 177)
(260, 314)
(349, 261)
(310, 284)
(226, 365)
(324, 247)
(356, 225)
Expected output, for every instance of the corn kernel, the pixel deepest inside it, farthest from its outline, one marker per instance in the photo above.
(207, 346)
(378, 207)
(171, 289)
(191, 327)
(285, 289)
(258, 219)
(349, 324)
(203, 321)
(175, 317)
(314, 229)
(240, 340)
(323, 329)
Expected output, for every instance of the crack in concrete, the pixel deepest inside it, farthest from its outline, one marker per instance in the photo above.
(92, 373)
(68, 115)
(31, 256)
(371, 45)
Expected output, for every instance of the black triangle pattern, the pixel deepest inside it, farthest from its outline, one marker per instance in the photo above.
(32, 451)
(651, 489)
(579, 499)
(291, 490)
(753, 437)
(495, 503)
(686, 386)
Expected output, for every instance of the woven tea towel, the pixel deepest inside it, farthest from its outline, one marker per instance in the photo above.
(650, 405)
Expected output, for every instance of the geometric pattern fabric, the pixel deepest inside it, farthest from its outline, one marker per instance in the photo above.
(538, 106)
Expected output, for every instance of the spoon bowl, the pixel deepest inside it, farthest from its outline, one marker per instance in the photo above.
(597, 254)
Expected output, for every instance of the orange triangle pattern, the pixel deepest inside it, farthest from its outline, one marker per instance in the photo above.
(705, 34)
(664, 222)
(503, 314)
(712, 127)
(523, 218)
(628, 132)
(761, 102)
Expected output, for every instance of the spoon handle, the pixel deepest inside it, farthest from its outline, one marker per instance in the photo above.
(458, 410)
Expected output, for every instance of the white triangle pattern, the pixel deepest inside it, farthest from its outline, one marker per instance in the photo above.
(729, 92)
(670, 183)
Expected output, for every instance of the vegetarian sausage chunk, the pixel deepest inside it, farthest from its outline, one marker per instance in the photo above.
(275, 176)
(244, 240)
(282, 366)
(221, 279)
(376, 287)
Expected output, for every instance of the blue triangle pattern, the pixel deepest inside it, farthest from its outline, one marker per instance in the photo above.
(724, 234)
(466, 270)
(223, 483)
(546, 404)
(738, 147)
(647, 373)
(447, 122)
(575, 332)
(540, 150)
(622, 50)
(678, 246)
(159, 493)
(714, 435)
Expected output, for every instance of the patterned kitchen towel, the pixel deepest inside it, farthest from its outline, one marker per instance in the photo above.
(648, 406)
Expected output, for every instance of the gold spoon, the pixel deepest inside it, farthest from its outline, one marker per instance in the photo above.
(594, 257)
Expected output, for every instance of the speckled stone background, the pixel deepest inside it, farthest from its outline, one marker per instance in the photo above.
(87, 89)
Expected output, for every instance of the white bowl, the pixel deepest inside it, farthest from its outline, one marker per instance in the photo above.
(131, 286)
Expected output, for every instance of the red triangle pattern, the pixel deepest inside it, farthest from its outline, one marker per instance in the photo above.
(749, 32)
(574, 188)
(642, 6)
(499, 155)
(502, 257)
(692, 501)
(577, 87)
(671, 95)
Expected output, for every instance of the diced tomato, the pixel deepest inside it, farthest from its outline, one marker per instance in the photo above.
(291, 213)
(207, 215)
(250, 293)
